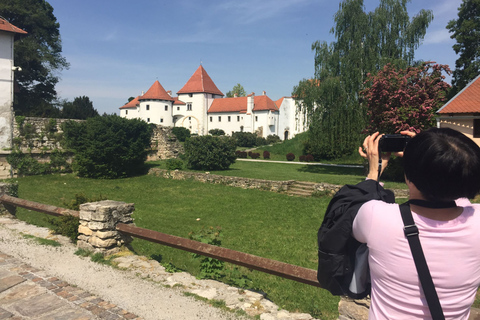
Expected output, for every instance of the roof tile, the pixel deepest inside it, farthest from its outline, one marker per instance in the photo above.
(200, 82)
(239, 104)
(466, 101)
(132, 104)
(7, 26)
(156, 92)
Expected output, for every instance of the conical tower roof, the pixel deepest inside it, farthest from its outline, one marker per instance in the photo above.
(200, 82)
(156, 92)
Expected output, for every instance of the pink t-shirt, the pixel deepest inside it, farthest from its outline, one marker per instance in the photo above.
(452, 251)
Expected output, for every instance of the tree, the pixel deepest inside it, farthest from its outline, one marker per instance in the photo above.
(217, 132)
(364, 43)
(79, 108)
(210, 153)
(404, 99)
(38, 53)
(108, 147)
(466, 31)
(181, 133)
(238, 89)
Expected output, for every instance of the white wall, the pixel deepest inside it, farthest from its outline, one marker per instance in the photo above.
(153, 111)
(236, 121)
(289, 120)
(6, 89)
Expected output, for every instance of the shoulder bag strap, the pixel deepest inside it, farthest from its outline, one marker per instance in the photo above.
(411, 232)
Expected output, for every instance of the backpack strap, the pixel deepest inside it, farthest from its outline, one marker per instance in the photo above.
(411, 232)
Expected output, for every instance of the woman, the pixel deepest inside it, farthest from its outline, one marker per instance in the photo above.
(440, 165)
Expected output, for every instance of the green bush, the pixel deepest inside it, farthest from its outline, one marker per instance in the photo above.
(181, 133)
(290, 156)
(210, 153)
(273, 138)
(260, 141)
(174, 164)
(66, 225)
(245, 139)
(108, 147)
(217, 132)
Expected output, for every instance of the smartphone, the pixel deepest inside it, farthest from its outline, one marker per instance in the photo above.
(393, 142)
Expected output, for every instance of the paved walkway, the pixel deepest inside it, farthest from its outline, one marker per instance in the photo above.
(28, 293)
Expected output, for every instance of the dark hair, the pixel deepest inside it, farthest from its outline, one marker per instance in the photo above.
(443, 164)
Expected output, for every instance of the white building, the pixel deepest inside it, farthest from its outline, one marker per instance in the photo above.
(200, 107)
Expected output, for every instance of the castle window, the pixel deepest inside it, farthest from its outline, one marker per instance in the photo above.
(228, 118)
(238, 118)
(219, 119)
(166, 108)
(190, 95)
(148, 107)
(178, 108)
(189, 107)
(256, 118)
(148, 119)
(126, 112)
(211, 119)
(161, 120)
(189, 118)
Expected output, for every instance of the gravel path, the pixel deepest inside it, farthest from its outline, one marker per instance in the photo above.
(146, 299)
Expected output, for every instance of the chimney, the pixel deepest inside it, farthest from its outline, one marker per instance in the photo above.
(264, 93)
(169, 92)
(235, 95)
(143, 92)
(250, 102)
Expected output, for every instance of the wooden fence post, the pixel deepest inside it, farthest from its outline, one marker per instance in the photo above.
(98, 220)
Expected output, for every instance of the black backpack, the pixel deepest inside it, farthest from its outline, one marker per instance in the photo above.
(342, 260)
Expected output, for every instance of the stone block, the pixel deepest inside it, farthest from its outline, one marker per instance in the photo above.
(84, 230)
(96, 225)
(99, 243)
(106, 234)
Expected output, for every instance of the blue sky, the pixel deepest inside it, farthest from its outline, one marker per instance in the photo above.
(117, 49)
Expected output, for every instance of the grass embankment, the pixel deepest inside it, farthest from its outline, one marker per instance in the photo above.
(262, 223)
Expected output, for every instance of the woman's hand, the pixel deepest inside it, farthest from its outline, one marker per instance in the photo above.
(405, 133)
(371, 153)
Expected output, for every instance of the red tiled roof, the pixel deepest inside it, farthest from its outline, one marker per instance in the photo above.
(279, 102)
(178, 102)
(200, 82)
(239, 104)
(466, 101)
(156, 92)
(7, 26)
(132, 104)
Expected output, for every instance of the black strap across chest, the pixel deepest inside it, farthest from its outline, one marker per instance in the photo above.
(411, 233)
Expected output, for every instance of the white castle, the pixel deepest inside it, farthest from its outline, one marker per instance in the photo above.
(201, 107)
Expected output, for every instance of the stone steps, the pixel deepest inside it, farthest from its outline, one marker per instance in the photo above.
(301, 189)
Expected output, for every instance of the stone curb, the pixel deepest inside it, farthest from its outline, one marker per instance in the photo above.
(98, 307)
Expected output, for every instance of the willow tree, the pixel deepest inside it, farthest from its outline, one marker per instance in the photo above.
(365, 42)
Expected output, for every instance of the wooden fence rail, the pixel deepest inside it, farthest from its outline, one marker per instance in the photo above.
(281, 269)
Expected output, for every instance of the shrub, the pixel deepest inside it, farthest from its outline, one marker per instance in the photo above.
(241, 154)
(302, 158)
(245, 139)
(260, 141)
(309, 158)
(66, 225)
(181, 133)
(254, 155)
(174, 164)
(217, 132)
(290, 156)
(273, 138)
(266, 155)
(210, 153)
(108, 147)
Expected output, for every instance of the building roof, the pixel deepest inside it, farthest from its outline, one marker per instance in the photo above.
(466, 101)
(8, 27)
(156, 92)
(132, 104)
(279, 102)
(200, 82)
(178, 102)
(239, 104)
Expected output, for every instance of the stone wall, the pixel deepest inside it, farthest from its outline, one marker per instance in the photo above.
(164, 144)
(97, 232)
(245, 183)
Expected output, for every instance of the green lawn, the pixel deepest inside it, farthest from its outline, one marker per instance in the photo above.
(262, 223)
(290, 171)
